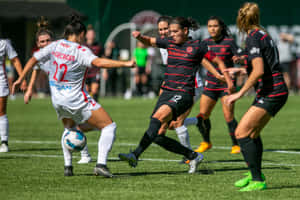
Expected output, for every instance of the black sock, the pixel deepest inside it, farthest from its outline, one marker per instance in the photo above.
(259, 146)
(4, 142)
(251, 153)
(175, 147)
(231, 127)
(204, 127)
(148, 137)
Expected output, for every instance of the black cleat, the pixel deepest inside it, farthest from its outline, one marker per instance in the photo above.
(102, 170)
(68, 171)
(130, 158)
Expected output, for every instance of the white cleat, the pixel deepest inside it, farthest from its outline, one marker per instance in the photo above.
(3, 148)
(194, 163)
(85, 160)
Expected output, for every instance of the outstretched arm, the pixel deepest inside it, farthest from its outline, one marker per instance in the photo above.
(149, 41)
(108, 63)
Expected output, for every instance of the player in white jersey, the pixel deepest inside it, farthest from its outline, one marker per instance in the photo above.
(180, 124)
(44, 37)
(6, 49)
(71, 101)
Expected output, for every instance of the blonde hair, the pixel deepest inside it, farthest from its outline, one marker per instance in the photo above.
(248, 17)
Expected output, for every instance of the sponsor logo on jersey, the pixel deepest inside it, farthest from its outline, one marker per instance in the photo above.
(254, 50)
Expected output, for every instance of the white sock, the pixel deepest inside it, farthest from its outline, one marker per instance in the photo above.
(105, 143)
(85, 152)
(67, 152)
(183, 136)
(4, 128)
(190, 121)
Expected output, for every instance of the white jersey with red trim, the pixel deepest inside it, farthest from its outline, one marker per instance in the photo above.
(6, 49)
(67, 70)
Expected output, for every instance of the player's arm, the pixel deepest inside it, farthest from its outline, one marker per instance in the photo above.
(149, 41)
(29, 65)
(18, 66)
(29, 91)
(207, 65)
(108, 63)
(222, 67)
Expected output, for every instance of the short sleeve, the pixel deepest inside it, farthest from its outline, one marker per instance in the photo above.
(44, 54)
(10, 51)
(206, 52)
(86, 57)
(162, 43)
(253, 48)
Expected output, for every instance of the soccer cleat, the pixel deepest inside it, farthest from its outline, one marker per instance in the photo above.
(3, 148)
(194, 163)
(68, 171)
(235, 149)
(130, 158)
(245, 181)
(85, 160)
(184, 161)
(254, 186)
(102, 170)
(204, 146)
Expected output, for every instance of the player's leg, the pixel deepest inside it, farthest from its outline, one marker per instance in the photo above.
(101, 120)
(144, 81)
(206, 106)
(228, 112)
(247, 134)
(194, 120)
(3, 125)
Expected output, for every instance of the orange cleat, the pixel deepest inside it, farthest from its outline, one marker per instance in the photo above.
(204, 146)
(235, 149)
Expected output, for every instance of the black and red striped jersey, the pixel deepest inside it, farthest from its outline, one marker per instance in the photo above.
(225, 49)
(260, 44)
(183, 62)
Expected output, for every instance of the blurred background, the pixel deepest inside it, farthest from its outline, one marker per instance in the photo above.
(113, 20)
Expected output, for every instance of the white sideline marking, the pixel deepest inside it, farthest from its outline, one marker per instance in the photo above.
(129, 144)
(144, 159)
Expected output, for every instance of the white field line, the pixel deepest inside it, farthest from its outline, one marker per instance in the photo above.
(129, 144)
(144, 159)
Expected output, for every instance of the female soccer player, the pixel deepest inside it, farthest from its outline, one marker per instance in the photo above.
(44, 37)
(6, 49)
(69, 62)
(178, 89)
(265, 75)
(225, 48)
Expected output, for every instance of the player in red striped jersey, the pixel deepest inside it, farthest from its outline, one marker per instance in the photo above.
(225, 48)
(265, 75)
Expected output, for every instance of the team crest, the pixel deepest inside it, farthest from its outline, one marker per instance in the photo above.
(223, 50)
(189, 49)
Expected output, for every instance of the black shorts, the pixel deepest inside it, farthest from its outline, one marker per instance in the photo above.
(214, 94)
(94, 79)
(141, 70)
(271, 104)
(180, 102)
(285, 67)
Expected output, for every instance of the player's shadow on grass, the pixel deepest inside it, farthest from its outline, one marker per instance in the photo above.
(284, 187)
(288, 149)
(36, 149)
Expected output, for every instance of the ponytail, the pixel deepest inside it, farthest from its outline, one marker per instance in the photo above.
(75, 26)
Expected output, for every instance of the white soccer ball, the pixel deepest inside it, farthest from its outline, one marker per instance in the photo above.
(74, 140)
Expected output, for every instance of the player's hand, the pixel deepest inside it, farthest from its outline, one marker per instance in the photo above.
(230, 88)
(221, 78)
(15, 86)
(130, 63)
(232, 98)
(27, 96)
(23, 86)
(234, 70)
(136, 34)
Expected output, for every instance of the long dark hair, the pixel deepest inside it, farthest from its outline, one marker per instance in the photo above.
(183, 22)
(164, 18)
(43, 28)
(225, 30)
(75, 26)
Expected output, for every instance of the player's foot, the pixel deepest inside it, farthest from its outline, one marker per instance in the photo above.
(85, 160)
(246, 180)
(130, 158)
(184, 161)
(254, 185)
(102, 170)
(68, 171)
(204, 146)
(235, 149)
(3, 148)
(194, 163)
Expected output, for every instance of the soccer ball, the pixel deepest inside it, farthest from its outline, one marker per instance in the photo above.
(74, 140)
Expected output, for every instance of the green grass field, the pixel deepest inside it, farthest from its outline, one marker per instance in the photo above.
(33, 169)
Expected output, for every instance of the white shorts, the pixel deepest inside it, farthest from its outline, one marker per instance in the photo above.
(4, 90)
(80, 115)
(198, 93)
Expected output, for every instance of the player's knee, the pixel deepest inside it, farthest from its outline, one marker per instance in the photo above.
(154, 128)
